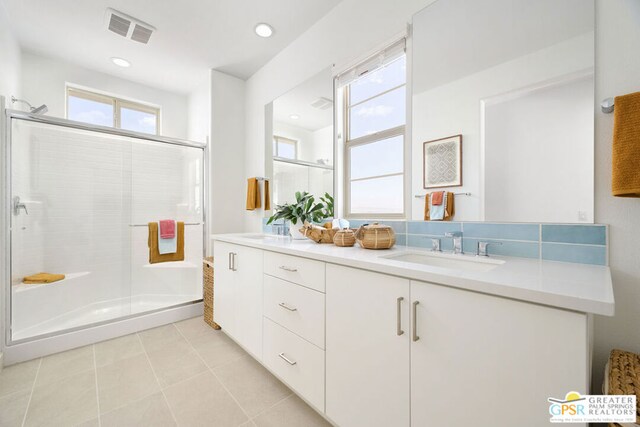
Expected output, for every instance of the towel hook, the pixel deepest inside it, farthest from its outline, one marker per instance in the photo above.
(607, 105)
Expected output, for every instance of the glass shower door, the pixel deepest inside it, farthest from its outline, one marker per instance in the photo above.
(71, 210)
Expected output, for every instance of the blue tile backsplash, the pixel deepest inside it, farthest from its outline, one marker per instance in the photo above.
(585, 244)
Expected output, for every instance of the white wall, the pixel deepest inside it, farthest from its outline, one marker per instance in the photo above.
(9, 60)
(227, 147)
(538, 155)
(454, 108)
(350, 31)
(199, 112)
(44, 79)
(617, 73)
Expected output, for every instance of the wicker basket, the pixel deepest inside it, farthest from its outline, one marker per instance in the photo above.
(624, 377)
(318, 234)
(345, 238)
(207, 291)
(375, 236)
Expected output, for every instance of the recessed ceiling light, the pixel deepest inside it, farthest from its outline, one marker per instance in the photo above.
(120, 62)
(294, 117)
(264, 30)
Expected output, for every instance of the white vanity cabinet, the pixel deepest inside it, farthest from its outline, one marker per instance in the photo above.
(367, 349)
(238, 294)
(481, 360)
(443, 356)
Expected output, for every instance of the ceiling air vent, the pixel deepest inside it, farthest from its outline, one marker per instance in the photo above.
(129, 27)
(322, 103)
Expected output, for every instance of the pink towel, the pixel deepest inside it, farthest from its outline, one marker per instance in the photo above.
(167, 229)
(436, 198)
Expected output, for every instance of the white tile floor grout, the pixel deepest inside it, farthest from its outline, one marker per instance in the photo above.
(95, 367)
(33, 386)
(182, 333)
(164, 396)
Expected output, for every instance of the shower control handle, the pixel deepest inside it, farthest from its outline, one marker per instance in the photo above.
(17, 206)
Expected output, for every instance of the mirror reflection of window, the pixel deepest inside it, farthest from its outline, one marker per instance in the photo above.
(285, 148)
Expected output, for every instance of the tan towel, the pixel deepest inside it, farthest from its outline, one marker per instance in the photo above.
(42, 278)
(154, 253)
(625, 174)
(449, 209)
(253, 194)
(267, 196)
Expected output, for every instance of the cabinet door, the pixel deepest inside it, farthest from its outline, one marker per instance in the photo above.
(367, 360)
(248, 265)
(224, 300)
(482, 360)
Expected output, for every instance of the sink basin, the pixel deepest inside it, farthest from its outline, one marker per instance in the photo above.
(262, 236)
(454, 262)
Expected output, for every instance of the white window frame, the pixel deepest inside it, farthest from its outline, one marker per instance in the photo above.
(277, 139)
(116, 102)
(370, 139)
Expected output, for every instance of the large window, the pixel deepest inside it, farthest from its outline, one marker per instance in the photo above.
(374, 128)
(104, 110)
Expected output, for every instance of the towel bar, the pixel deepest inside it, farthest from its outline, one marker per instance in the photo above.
(421, 196)
(146, 225)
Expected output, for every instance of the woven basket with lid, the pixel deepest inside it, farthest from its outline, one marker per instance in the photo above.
(376, 236)
(344, 238)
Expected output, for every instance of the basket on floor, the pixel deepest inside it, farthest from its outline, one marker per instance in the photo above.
(623, 377)
(207, 292)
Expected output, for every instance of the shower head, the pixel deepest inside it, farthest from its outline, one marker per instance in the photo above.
(35, 110)
(40, 110)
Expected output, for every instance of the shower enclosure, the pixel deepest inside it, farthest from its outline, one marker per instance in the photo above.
(78, 200)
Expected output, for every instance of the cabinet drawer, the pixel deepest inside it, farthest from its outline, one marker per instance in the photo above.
(303, 271)
(299, 309)
(299, 363)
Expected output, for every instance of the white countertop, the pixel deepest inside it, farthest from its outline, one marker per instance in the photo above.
(579, 287)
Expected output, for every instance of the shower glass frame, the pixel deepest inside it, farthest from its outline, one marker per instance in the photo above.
(6, 294)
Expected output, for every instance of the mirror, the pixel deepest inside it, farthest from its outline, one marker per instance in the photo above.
(300, 143)
(515, 79)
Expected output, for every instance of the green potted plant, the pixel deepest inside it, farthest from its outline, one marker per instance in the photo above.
(305, 209)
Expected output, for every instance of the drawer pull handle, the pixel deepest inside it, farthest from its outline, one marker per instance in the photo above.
(415, 336)
(290, 269)
(399, 330)
(286, 307)
(286, 359)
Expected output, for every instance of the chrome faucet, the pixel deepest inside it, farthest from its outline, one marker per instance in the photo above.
(435, 245)
(457, 241)
(483, 248)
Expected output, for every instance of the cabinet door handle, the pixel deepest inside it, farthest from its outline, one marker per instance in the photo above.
(286, 307)
(230, 256)
(415, 336)
(233, 261)
(285, 268)
(399, 330)
(286, 359)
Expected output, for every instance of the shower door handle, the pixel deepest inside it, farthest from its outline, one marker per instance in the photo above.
(17, 206)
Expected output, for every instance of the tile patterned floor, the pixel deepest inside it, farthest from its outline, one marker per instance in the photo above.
(183, 374)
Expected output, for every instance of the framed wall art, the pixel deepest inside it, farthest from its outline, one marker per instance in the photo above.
(442, 162)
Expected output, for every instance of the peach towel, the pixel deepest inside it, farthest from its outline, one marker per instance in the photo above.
(625, 173)
(436, 198)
